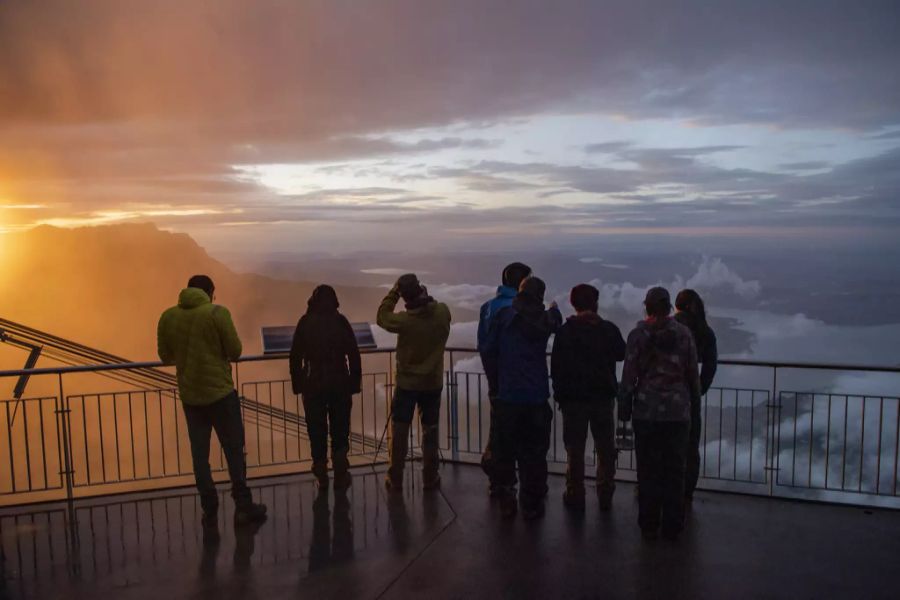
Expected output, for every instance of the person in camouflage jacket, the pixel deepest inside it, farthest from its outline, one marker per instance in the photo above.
(660, 380)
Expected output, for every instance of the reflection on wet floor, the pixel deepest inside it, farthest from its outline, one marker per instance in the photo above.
(135, 542)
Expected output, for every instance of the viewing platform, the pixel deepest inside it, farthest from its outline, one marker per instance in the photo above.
(799, 493)
(449, 544)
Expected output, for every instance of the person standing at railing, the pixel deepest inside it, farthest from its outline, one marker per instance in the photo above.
(326, 369)
(422, 331)
(691, 312)
(515, 361)
(199, 338)
(659, 384)
(583, 370)
(511, 278)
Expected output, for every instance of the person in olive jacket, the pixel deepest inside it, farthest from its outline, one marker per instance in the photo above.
(422, 331)
(199, 338)
(583, 369)
(326, 369)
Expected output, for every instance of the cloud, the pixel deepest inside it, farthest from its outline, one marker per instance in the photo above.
(463, 295)
(711, 274)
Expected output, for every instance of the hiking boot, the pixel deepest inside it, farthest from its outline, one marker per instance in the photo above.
(249, 513)
(342, 477)
(530, 513)
(605, 499)
(432, 483)
(508, 505)
(573, 499)
(320, 472)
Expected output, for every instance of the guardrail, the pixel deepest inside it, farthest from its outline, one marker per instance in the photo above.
(771, 438)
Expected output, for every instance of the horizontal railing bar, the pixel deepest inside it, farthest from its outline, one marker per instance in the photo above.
(285, 355)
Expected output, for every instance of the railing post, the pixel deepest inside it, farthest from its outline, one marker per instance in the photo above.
(452, 393)
(63, 412)
(774, 414)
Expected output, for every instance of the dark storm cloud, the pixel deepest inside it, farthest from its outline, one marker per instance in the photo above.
(104, 102)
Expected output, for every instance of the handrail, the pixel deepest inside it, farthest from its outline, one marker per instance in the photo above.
(284, 355)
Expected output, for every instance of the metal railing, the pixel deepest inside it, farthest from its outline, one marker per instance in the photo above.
(75, 440)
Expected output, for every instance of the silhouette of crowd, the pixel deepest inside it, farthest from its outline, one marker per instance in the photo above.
(656, 402)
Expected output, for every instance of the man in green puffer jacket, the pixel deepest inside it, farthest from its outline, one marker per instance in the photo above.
(199, 338)
(422, 332)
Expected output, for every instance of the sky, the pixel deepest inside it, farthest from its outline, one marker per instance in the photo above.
(338, 126)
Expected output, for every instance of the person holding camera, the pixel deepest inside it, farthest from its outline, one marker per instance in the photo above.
(422, 331)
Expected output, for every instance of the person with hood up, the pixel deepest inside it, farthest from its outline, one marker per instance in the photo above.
(515, 361)
(583, 369)
(511, 277)
(326, 369)
(691, 312)
(199, 338)
(659, 384)
(422, 331)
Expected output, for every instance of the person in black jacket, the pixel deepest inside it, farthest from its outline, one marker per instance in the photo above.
(692, 314)
(326, 369)
(583, 369)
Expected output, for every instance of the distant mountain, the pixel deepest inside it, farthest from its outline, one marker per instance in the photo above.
(106, 286)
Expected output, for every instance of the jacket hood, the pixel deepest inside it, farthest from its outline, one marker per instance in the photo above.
(323, 301)
(506, 291)
(424, 310)
(663, 334)
(192, 298)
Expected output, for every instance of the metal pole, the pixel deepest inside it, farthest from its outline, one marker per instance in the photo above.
(454, 411)
(774, 412)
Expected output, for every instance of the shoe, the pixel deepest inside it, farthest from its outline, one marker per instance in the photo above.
(433, 483)
(508, 506)
(605, 500)
(342, 477)
(671, 535)
(251, 513)
(342, 481)
(320, 472)
(532, 513)
(392, 484)
(574, 500)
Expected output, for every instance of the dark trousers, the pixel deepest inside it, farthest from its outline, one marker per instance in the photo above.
(488, 456)
(225, 417)
(578, 417)
(692, 465)
(328, 412)
(405, 402)
(660, 448)
(523, 438)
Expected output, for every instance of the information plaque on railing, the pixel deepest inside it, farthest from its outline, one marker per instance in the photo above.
(278, 339)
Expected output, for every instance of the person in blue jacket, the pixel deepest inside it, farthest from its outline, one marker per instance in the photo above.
(511, 278)
(515, 361)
